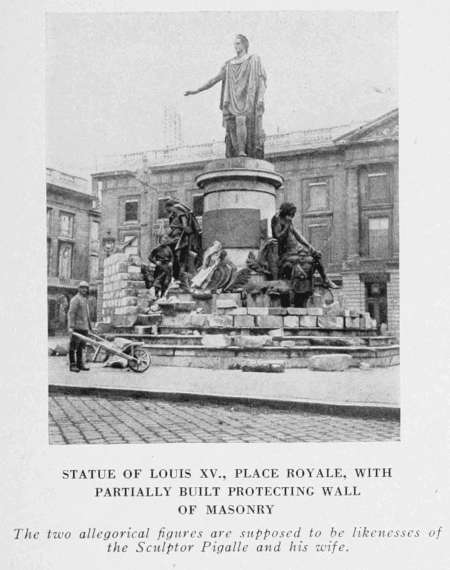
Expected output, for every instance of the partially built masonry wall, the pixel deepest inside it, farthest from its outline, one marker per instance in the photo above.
(124, 292)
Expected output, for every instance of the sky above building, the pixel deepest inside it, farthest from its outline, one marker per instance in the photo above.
(111, 77)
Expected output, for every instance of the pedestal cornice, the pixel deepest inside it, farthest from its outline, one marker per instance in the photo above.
(241, 168)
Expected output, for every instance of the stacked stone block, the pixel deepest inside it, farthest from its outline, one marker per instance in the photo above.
(353, 291)
(124, 292)
(273, 319)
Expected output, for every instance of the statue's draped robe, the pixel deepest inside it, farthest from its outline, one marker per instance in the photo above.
(185, 235)
(211, 259)
(243, 87)
(217, 270)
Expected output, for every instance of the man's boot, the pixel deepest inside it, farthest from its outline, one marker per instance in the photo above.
(74, 368)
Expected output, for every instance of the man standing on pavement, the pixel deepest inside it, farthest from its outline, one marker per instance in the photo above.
(78, 322)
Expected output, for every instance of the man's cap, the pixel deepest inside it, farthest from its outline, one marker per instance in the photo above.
(83, 284)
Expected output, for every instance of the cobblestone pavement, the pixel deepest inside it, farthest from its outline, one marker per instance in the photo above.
(78, 419)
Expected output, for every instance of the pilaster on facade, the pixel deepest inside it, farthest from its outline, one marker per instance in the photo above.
(352, 217)
(393, 302)
(395, 213)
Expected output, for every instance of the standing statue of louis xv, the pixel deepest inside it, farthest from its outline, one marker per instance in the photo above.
(241, 101)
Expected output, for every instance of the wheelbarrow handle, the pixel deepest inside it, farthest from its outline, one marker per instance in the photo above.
(91, 334)
(107, 346)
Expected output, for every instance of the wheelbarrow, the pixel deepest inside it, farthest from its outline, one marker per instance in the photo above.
(99, 350)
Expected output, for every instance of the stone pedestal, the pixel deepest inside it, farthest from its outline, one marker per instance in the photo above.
(239, 202)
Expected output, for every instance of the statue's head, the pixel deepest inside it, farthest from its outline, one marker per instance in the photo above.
(169, 205)
(164, 239)
(288, 210)
(241, 44)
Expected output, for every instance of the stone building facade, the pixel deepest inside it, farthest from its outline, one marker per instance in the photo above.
(343, 180)
(73, 232)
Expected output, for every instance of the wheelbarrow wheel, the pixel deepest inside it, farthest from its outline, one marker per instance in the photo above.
(143, 360)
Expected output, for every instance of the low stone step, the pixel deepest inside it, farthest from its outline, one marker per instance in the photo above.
(381, 340)
(177, 339)
(287, 331)
(278, 349)
(196, 356)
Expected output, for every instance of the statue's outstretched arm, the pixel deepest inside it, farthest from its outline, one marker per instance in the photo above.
(302, 240)
(208, 84)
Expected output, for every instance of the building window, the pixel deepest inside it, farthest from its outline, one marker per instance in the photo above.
(131, 211)
(377, 186)
(98, 193)
(379, 237)
(65, 261)
(99, 198)
(197, 204)
(110, 183)
(49, 220)
(316, 196)
(66, 222)
(51, 315)
(49, 256)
